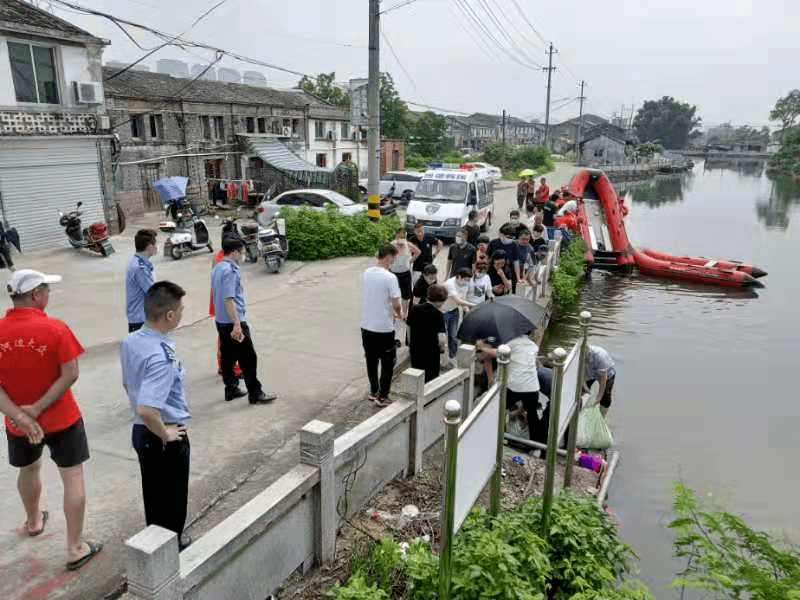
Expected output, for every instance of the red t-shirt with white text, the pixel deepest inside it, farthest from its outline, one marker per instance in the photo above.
(33, 347)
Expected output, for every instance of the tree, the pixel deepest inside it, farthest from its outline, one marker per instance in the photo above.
(786, 110)
(394, 112)
(325, 89)
(428, 134)
(666, 121)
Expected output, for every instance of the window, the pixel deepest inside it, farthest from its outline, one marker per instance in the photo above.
(33, 71)
(322, 160)
(137, 127)
(219, 128)
(347, 156)
(205, 126)
(250, 125)
(295, 126)
(262, 125)
(156, 127)
(289, 200)
(598, 152)
(319, 129)
(345, 130)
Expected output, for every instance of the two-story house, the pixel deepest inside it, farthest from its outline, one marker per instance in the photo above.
(53, 151)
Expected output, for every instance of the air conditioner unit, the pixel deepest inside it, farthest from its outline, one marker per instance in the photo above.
(287, 131)
(88, 92)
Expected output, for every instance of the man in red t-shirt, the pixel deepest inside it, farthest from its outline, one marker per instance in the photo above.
(543, 193)
(38, 365)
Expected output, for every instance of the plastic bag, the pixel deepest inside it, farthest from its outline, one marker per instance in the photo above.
(593, 431)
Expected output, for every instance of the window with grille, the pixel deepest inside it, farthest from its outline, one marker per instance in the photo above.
(322, 160)
(137, 127)
(33, 71)
(156, 127)
(319, 129)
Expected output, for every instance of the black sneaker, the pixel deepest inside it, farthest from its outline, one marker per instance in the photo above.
(263, 398)
(233, 393)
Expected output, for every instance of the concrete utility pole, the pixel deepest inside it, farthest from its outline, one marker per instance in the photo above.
(374, 110)
(504, 127)
(580, 126)
(549, 68)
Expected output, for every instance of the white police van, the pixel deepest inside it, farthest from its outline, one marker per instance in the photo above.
(445, 197)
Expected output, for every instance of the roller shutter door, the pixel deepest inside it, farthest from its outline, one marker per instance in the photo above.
(42, 176)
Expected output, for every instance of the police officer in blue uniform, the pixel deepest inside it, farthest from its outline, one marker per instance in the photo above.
(236, 345)
(139, 277)
(152, 375)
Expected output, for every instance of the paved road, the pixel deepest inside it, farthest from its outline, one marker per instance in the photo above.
(305, 327)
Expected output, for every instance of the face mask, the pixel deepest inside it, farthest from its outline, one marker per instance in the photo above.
(514, 221)
(507, 240)
(460, 241)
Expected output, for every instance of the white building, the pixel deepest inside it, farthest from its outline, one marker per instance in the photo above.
(53, 151)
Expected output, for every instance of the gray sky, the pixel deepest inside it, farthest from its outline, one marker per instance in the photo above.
(731, 58)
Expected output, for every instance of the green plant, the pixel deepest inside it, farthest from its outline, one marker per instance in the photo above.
(356, 588)
(513, 159)
(727, 559)
(567, 278)
(316, 235)
(386, 560)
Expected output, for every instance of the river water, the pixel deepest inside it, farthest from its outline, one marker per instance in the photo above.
(706, 387)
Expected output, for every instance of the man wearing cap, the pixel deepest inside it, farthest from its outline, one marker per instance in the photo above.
(152, 376)
(38, 365)
(139, 277)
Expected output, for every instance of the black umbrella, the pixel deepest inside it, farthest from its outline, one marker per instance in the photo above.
(504, 319)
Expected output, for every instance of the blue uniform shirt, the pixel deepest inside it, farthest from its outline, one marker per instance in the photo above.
(153, 375)
(138, 280)
(226, 281)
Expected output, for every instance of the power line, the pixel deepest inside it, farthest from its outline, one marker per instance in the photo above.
(525, 18)
(399, 64)
(396, 6)
(484, 46)
(501, 29)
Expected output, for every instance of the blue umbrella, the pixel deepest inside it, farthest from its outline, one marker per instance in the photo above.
(171, 188)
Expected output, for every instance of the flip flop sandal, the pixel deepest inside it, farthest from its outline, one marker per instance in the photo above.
(94, 550)
(373, 397)
(45, 514)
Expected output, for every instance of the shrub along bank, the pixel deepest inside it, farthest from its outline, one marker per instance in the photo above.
(317, 235)
(568, 276)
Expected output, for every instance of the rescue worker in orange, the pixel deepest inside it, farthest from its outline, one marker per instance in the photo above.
(543, 193)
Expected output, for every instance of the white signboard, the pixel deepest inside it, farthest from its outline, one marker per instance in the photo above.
(358, 103)
(477, 454)
(568, 385)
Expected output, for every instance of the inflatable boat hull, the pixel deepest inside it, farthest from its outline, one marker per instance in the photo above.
(670, 269)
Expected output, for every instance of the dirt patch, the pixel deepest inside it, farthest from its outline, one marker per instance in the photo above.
(523, 477)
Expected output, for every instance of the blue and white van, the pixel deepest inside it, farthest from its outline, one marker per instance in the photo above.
(445, 197)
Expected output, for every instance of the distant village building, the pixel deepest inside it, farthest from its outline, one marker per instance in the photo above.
(54, 142)
(605, 144)
(563, 136)
(478, 130)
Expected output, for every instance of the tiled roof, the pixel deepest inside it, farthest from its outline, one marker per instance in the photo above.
(22, 15)
(145, 85)
(607, 129)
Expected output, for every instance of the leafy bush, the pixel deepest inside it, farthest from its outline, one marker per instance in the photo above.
(357, 588)
(567, 277)
(513, 159)
(316, 235)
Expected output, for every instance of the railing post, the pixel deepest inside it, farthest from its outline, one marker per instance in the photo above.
(452, 419)
(153, 565)
(552, 441)
(316, 449)
(412, 387)
(465, 359)
(503, 358)
(585, 318)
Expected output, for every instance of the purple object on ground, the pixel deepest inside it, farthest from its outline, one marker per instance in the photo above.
(591, 461)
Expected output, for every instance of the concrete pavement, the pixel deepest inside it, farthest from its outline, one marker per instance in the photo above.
(305, 328)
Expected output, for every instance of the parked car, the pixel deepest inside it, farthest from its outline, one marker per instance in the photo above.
(404, 182)
(315, 199)
(495, 172)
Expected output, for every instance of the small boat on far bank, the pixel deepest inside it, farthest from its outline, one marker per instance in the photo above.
(668, 268)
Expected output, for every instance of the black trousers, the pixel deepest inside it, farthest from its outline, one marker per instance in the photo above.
(165, 478)
(379, 348)
(242, 352)
(537, 428)
(134, 327)
(605, 401)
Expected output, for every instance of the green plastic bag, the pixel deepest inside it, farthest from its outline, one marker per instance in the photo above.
(593, 431)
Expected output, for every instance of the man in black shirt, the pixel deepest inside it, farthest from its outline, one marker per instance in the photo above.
(472, 228)
(461, 254)
(427, 333)
(420, 291)
(508, 245)
(429, 246)
(550, 208)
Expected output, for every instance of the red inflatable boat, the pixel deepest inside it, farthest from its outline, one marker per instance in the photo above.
(699, 261)
(676, 269)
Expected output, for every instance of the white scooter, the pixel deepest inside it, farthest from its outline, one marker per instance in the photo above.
(187, 233)
(273, 245)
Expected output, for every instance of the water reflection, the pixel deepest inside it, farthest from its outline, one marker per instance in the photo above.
(662, 189)
(783, 194)
(743, 166)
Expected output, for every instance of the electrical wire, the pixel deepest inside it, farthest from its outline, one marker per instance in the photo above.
(396, 6)
(397, 60)
(469, 28)
(525, 18)
(502, 30)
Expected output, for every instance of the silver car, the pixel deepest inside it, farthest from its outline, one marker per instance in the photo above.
(314, 199)
(402, 184)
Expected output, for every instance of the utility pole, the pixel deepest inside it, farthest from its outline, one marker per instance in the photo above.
(549, 68)
(373, 108)
(580, 126)
(504, 127)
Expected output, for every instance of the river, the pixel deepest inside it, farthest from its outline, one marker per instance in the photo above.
(704, 390)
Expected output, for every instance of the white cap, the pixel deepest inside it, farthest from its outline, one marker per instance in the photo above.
(25, 280)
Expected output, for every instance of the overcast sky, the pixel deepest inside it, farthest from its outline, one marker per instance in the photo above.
(731, 58)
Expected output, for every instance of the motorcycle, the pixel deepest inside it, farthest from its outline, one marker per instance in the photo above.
(273, 245)
(94, 237)
(187, 232)
(247, 232)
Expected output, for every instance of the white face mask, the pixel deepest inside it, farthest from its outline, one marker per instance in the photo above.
(460, 241)
(515, 220)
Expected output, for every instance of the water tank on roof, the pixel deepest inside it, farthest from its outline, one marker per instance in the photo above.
(254, 78)
(210, 75)
(229, 75)
(176, 68)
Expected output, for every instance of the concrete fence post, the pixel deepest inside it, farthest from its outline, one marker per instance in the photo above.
(153, 564)
(465, 358)
(316, 449)
(412, 388)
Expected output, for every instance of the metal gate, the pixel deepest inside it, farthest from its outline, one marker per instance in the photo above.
(150, 172)
(39, 177)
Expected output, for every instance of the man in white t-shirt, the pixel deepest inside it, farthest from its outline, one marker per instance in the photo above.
(380, 305)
